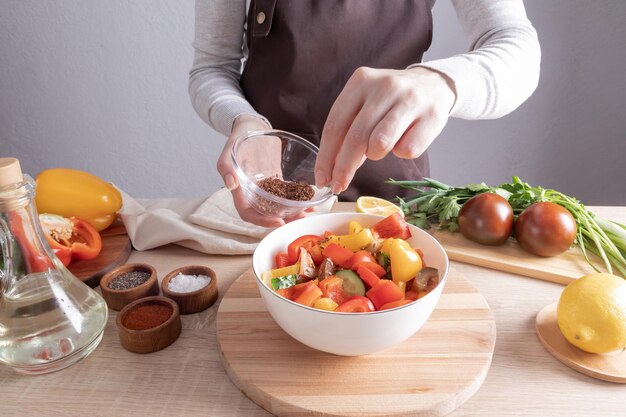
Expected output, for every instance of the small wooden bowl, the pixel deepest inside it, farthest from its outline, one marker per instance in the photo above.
(155, 338)
(195, 301)
(117, 299)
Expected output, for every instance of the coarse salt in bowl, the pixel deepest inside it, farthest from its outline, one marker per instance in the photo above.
(348, 334)
(191, 298)
(270, 153)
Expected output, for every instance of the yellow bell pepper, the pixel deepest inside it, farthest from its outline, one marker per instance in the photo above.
(386, 246)
(405, 261)
(354, 242)
(267, 276)
(325, 304)
(401, 285)
(354, 227)
(73, 193)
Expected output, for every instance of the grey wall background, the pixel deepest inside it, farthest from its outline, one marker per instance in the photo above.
(102, 86)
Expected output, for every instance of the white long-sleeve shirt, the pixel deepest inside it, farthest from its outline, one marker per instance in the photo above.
(500, 71)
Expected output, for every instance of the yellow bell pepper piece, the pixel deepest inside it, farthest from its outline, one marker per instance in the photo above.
(355, 241)
(401, 285)
(354, 227)
(405, 262)
(267, 276)
(74, 193)
(386, 246)
(325, 303)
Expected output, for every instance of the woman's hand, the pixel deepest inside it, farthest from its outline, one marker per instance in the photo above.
(265, 159)
(381, 111)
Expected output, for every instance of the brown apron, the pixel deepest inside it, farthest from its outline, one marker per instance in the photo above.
(302, 53)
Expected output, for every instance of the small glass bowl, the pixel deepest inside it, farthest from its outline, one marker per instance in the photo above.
(269, 153)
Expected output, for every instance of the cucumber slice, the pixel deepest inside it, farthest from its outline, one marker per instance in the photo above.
(352, 284)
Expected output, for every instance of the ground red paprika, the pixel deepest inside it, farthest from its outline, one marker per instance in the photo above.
(146, 316)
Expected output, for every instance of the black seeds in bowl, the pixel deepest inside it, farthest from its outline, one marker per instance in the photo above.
(129, 280)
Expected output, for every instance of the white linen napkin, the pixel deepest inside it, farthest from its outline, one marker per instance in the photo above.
(211, 226)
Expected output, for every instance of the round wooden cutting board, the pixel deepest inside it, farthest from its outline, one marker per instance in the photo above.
(608, 367)
(430, 374)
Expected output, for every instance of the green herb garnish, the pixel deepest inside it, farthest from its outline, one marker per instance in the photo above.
(284, 282)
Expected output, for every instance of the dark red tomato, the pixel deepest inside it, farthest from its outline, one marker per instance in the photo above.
(356, 304)
(545, 229)
(487, 219)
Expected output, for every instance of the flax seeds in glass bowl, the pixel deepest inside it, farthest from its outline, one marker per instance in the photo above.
(276, 172)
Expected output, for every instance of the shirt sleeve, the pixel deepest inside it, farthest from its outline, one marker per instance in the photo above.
(214, 87)
(501, 70)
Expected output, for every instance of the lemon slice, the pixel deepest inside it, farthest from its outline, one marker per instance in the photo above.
(375, 205)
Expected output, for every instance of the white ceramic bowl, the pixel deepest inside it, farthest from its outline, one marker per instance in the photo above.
(348, 334)
(293, 156)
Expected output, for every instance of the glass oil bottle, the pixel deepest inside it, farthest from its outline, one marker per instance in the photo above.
(48, 318)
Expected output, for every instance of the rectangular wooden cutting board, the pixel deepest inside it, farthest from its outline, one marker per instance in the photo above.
(510, 257)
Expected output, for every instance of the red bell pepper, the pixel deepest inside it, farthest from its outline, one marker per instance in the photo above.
(359, 257)
(374, 267)
(35, 258)
(385, 292)
(306, 241)
(78, 239)
(338, 254)
(293, 292)
(309, 295)
(368, 277)
(281, 260)
(395, 304)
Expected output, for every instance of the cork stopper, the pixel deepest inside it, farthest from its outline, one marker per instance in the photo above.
(10, 171)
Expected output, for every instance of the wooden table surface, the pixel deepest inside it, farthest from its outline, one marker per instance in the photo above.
(187, 378)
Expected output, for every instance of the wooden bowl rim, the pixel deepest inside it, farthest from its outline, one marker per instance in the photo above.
(122, 269)
(156, 329)
(209, 287)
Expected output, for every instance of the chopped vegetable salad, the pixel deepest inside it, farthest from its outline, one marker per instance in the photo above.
(368, 269)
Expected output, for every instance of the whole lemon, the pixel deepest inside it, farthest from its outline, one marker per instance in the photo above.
(592, 313)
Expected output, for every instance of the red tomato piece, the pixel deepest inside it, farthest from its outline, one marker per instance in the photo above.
(385, 292)
(332, 287)
(359, 257)
(281, 260)
(338, 254)
(309, 295)
(356, 304)
(374, 267)
(293, 250)
(392, 226)
(395, 304)
(368, 277)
